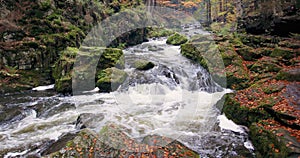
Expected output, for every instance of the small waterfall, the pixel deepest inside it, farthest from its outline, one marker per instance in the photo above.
(176, 98)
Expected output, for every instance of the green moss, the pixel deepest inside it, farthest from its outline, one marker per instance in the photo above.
(143, 65)
(248, 53)
(273, 89)
(266, 143)
(240, 114)
(159, 32)
(103, 130)
(289, 75)
(62, 70)
(111, 57)
(177, 39)
(110, 79)
(265, 66)
(190, 51)
(284, 53)
(45, 5)
(63, 84)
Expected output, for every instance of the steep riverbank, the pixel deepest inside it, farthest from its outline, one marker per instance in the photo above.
(264, 71)
(31, 39)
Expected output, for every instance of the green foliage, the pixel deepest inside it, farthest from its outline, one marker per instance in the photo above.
(45, 5)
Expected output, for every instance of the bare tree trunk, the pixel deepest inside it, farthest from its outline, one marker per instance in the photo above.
(208, 11)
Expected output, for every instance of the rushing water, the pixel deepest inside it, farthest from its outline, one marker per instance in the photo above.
(175, 99)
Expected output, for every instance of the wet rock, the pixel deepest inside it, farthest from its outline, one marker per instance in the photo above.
(54, 146)
(88, 120)
(190, 51)
(110, 79)
(177, 39)
(52, 110)
(84, 77)
(9, 115)
(112, 141)
(143, 65)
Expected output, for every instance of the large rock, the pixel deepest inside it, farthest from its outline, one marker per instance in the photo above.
(110, 79)
(272, 17)
(62, 72)
(100, 58)
(176, 39)
(143, 65)
(88, 120)
(289, 75)
(112, 141)
(265, 65)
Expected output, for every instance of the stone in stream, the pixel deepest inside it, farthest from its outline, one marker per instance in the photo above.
(110, 79)
(112, 141)
(88, 120)
(101, 58)
(143, 65)
(177, 39)
(9, 115)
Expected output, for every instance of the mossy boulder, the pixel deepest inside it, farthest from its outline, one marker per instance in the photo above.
(289, 75)
(63, 84)
(158, 32)
(241, 114)
(267, 143)
(101, 58)
(110, 79)
(283, 53)
(248, 53)
(265, 65)
(143, 65)
(111, 57)
(62, 70)
(190, 51)
(177, 39)
(112, 141)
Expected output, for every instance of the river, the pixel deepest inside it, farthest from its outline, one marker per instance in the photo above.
(177, 99)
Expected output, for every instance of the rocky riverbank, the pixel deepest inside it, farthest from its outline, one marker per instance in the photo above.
(264, 71)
